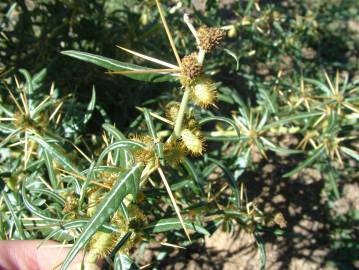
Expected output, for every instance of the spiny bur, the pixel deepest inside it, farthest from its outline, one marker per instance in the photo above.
(204, 92)
(194, 143)
(210, 37)
(190, 68)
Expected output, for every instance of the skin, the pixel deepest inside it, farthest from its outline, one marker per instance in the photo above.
(32, 255)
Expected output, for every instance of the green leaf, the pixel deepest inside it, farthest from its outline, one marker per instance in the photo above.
(9, 137)
(50, 169)
(350, 152)
(221, 119)
(319, 84)
(114, 132)
(262, 251)
(54, 196)
(105, 210)
(152, 130)
(332, 181)
(242, 162)
(123, 262)
(90, 106)
(14, 215)
(269, 100)
(231, 181)
(85, 185)
(29, 88)
(190, 168)
(229, 52)
(115, 65)
(55, 152)
(124, 157)
(124, 144)
(292, 118)
(31, 207)
(275, 148)
(170, 224)
(311, 158)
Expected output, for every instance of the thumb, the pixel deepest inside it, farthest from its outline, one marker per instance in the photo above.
(31, 255)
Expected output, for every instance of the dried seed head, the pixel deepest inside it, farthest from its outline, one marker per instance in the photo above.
(210, 37)
(190, 67)
(204, 92)
(172, 109)
(174, 152)
(193, 142)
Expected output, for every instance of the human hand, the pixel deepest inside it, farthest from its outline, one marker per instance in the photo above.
(29, 255)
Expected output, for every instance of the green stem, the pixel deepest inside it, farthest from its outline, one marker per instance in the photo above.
(182, 110)
(181, 113)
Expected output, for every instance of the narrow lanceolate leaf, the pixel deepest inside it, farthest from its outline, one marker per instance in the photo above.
(235, 57)
(350, 152)
(292, 118)
(231, 181)
(29, 88)
(14, 215)
(55, 152)
(312, 157)
(90, 106)
(152, 130)
(122, 157)
(262, 251)
(169, 224)
(115, 65)
(50, 169)
(123, 262)
(127, 183)
(221, 119)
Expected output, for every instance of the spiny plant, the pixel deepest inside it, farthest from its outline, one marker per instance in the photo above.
(156, 150)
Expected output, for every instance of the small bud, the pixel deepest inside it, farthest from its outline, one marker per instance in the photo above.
(210, 37)
(232, 32)
(190, 66)
(144, 19)
(204, 92)
(193, 142)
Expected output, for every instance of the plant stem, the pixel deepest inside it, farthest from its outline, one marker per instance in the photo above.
(181, 113)
(182, 110)
(201, 55)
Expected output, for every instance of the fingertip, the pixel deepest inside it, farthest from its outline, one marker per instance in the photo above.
(87, 266)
